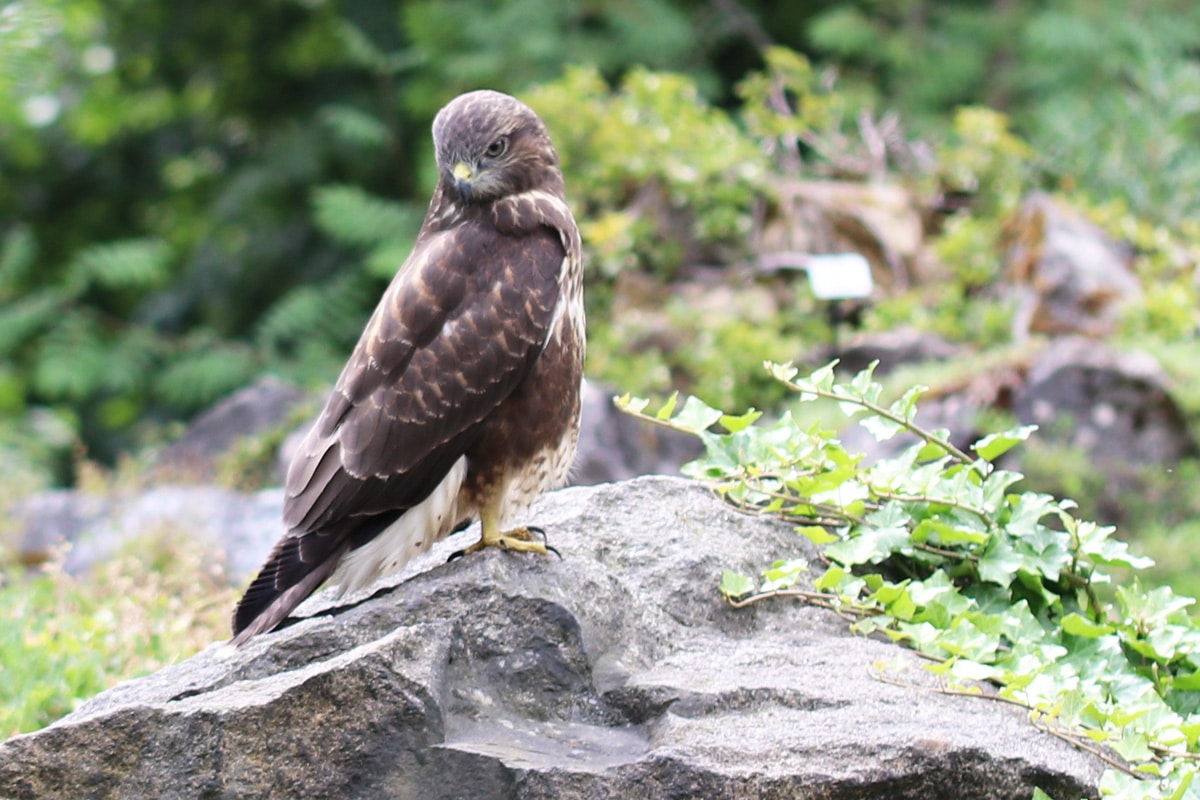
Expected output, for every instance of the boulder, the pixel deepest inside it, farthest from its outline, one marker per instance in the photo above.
(1070, 276)
(878, 220)
(259, 409)
(614, 446)
(1113, 405)
(615, 671)
(91, 528)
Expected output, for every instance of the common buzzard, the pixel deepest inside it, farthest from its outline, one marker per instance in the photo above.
(461, 399)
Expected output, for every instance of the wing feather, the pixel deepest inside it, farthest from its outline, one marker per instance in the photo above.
(454, 334)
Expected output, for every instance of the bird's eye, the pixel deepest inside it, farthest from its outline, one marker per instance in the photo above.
(497, 148)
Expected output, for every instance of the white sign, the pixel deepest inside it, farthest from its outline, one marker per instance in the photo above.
(839, 276)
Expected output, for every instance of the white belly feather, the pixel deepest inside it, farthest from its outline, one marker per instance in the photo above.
(408, 537)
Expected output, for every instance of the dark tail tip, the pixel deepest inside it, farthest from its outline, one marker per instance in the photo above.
(283, 583)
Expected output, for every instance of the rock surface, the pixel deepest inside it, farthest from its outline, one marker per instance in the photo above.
(256, 410)
(1111, 404)
(240, 526)
(1071, 277)
(614, 446)
(616, 671)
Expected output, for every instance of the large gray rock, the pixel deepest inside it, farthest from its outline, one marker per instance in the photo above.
(616, 671)
(614, 446)
(1070, 276)
(91, 528)
(260, 409)
(1111, 404)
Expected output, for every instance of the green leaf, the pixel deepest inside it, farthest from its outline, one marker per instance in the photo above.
(783, 574)
(631, 405)
(1148, 608)
(198, 377)
(1077, 625)
(947, 534)
(734, 585)
(24, 317)
(816, 534)
(668, 407)
(864, 378)
(830, 579)
(999, 562)
(881, 428)
(869, 546)
(696, 415)
(17, 255)
(1189, 682)
(735, 424)
(1132, 747)
(995, 445)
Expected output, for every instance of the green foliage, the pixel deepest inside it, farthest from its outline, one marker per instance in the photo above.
(935, 548)
(65, 638)
(1102, 89)
(653, 168)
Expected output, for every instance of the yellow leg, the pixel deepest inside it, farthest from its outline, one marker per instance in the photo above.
(519, 539)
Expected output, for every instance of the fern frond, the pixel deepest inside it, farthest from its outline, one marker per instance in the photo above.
(126, 264)
(350, 215)
(23, 318)
(204, 373)
(132, 359)
(297, 312)
(355, 126)
(333, 311)
(72, 360)
(385, 260)
(17, 253)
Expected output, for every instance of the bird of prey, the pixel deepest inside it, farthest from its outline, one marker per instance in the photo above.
(461, 399)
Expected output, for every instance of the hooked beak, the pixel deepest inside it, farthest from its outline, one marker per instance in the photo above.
(462, 180)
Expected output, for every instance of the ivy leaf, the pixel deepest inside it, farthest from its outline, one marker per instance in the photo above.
(1077, 625)
(734, 585)
(946, 534)
(737, 423)
(1132, 747)
(995, 445)
(881, 428)
(871, 545)
(696, 415)
(783, 574)
(830, 579)
(816, 534)
(1147, 609)
(630, 404)
(999, 562)
(668, 407)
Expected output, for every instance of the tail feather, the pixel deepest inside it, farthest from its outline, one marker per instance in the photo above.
(282, 584)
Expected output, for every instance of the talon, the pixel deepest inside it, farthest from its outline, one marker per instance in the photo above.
(554, 550)
(532, 529)
(456, 555)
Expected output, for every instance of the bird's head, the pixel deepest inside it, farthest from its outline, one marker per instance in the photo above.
(490, 145)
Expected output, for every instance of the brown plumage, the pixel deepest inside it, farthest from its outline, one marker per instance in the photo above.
(461, 399)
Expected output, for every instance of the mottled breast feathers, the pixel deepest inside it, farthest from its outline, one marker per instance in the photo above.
(452, 304)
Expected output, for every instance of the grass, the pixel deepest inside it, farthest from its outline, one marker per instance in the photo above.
(65, 638)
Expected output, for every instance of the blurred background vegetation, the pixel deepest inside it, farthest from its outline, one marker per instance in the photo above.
(194, 194)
